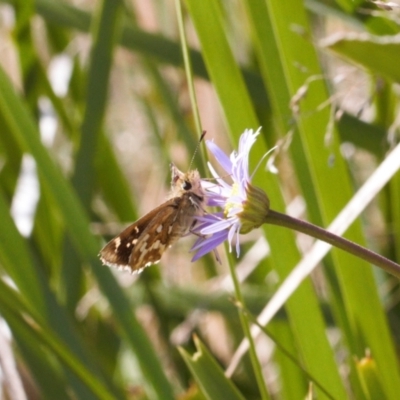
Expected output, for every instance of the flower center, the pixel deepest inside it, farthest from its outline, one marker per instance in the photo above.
(230, 204)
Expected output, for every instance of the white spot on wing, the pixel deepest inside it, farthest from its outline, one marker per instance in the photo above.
(122, 267)
(117, 243)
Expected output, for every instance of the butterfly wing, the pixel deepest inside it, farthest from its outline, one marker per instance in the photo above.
(143, 243)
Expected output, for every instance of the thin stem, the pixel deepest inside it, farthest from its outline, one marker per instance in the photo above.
(188, 67)
(246, 329)
(277, 218)
(189, 72)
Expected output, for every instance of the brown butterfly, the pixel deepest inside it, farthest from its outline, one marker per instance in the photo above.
(143, 243)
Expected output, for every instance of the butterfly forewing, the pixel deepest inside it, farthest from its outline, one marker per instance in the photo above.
(143, 243)
(117, 252)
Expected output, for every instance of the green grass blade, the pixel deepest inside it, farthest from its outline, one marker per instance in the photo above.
(112, 182)
(331, 184)
(38, 336)
(233, 96)
(17, 260)
(358, 48)
(209, 375)
(105, 30)
(370, 379)
(20, 124)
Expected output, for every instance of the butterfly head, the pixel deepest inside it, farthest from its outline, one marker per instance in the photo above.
(183, 182)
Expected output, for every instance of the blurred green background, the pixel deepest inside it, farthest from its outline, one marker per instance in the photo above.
(94, 105)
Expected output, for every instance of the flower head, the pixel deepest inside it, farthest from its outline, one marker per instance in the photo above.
(243, 205)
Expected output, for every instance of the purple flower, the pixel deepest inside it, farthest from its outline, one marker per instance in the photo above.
(243, 205)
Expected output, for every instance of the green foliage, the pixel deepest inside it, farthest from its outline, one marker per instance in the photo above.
(80, 330)
(209, 374)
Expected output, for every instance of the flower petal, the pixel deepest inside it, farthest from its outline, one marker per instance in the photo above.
(209, 244)
(222, 184)
(231, 234)
(221, 157)
(216, 227)
(237, 243)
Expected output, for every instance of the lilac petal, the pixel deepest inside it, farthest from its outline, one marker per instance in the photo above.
(237, 243)
(215, 199)
(210, 218)
(240, 169)
(214, 202)
(240, 175)
(220, 156)
(218, 196)
(210, 244)
(241, 164)
(206, 184)
(198, 243)
(207, 220)
(216, 227)
(219, 180)
(247, 139)
(217, 189)
(218, 193)
(201, 241)
(197, 229)
(233, 212)
(231, 233)
(236, 199)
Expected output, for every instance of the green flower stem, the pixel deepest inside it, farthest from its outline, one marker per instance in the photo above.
(277, 218)
(246, 329)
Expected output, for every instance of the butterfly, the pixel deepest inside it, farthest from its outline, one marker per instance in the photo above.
(144, 242)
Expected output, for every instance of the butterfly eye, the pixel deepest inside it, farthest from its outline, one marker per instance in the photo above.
(186, 185)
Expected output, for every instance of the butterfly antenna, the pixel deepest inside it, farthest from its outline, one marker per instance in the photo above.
(197, 148)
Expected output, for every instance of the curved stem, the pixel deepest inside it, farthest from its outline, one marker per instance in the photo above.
(277, 218)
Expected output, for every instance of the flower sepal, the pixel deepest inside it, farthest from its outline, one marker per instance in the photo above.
(255, 209)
